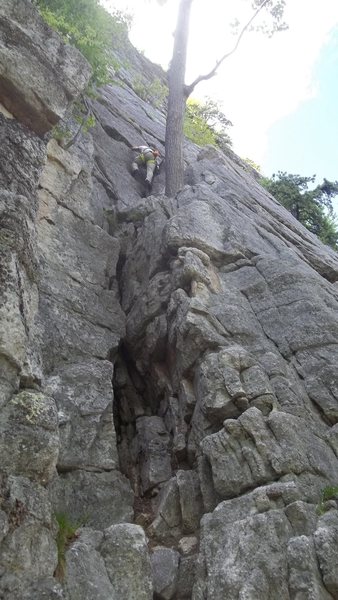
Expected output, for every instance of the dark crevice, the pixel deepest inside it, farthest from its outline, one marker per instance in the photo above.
(128, 403)
(30, 382)
(138, 394)
(114, 133)
(119, 269)
(62, 469)
(21, 302)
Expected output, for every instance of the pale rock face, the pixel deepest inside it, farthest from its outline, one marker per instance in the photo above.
(22, 159)
(39, 74)
(28, 546)
(124, 550)
(86, 576)
(29, 436)
(5, 112)
(257, 450)
(164, 562)
(97, 499)
(153, 448)
(325, 542)
(84, 398)
(42, 306)
(169, 362)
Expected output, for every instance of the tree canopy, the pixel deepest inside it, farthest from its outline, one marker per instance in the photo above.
(312, 207)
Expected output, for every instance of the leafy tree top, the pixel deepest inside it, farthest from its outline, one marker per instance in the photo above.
(312, 207)
(205, 123)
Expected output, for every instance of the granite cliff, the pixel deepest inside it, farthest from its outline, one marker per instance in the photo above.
(168, 365)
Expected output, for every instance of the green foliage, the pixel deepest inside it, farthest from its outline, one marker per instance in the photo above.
(275, 9)
(88, 26)
(196, 127)
(83, 116)
(205, 123)
(66, 535)
(86, 120)
(330, 492)
(154, 93)
(313, 208)
(89, 123)
(61, 133)
(252, 164)
(320, 510)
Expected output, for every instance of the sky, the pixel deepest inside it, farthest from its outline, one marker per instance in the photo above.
(280, 93)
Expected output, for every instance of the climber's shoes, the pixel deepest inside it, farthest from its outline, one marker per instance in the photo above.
(148, 186)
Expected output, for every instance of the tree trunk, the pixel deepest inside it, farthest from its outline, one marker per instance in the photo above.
(179, 92)
(176, 103)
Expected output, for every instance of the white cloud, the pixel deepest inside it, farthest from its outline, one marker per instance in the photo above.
(265, 80)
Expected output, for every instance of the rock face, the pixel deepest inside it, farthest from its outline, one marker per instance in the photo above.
(39, 74)
(168, 378)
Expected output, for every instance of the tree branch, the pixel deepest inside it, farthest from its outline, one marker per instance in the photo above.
(188, 89)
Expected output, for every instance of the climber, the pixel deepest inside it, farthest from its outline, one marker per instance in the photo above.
(149, 158)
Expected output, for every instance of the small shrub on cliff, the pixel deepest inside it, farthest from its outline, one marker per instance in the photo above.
(204, 123)
(155, 92)
(90, 28)
(66, 535)
(330, 492)
(252, 164)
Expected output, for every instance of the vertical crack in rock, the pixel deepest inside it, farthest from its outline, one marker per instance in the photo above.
(21, 302)
(159, 376)
(210, 410)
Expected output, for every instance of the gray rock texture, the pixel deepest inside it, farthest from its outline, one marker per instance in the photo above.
(23, 156)
(39, 74)
(83, 394)
(28, 547)
(86, 576)
(95, 498)
(124, 550)
(164, 564)
(56, 395)
(29, 436)
(168, 377)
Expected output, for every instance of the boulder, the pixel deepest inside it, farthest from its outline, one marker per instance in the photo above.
(84, 397)
(164, 564)
(85, 575)
(124, 550)
(93, 498)
(29, 436)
